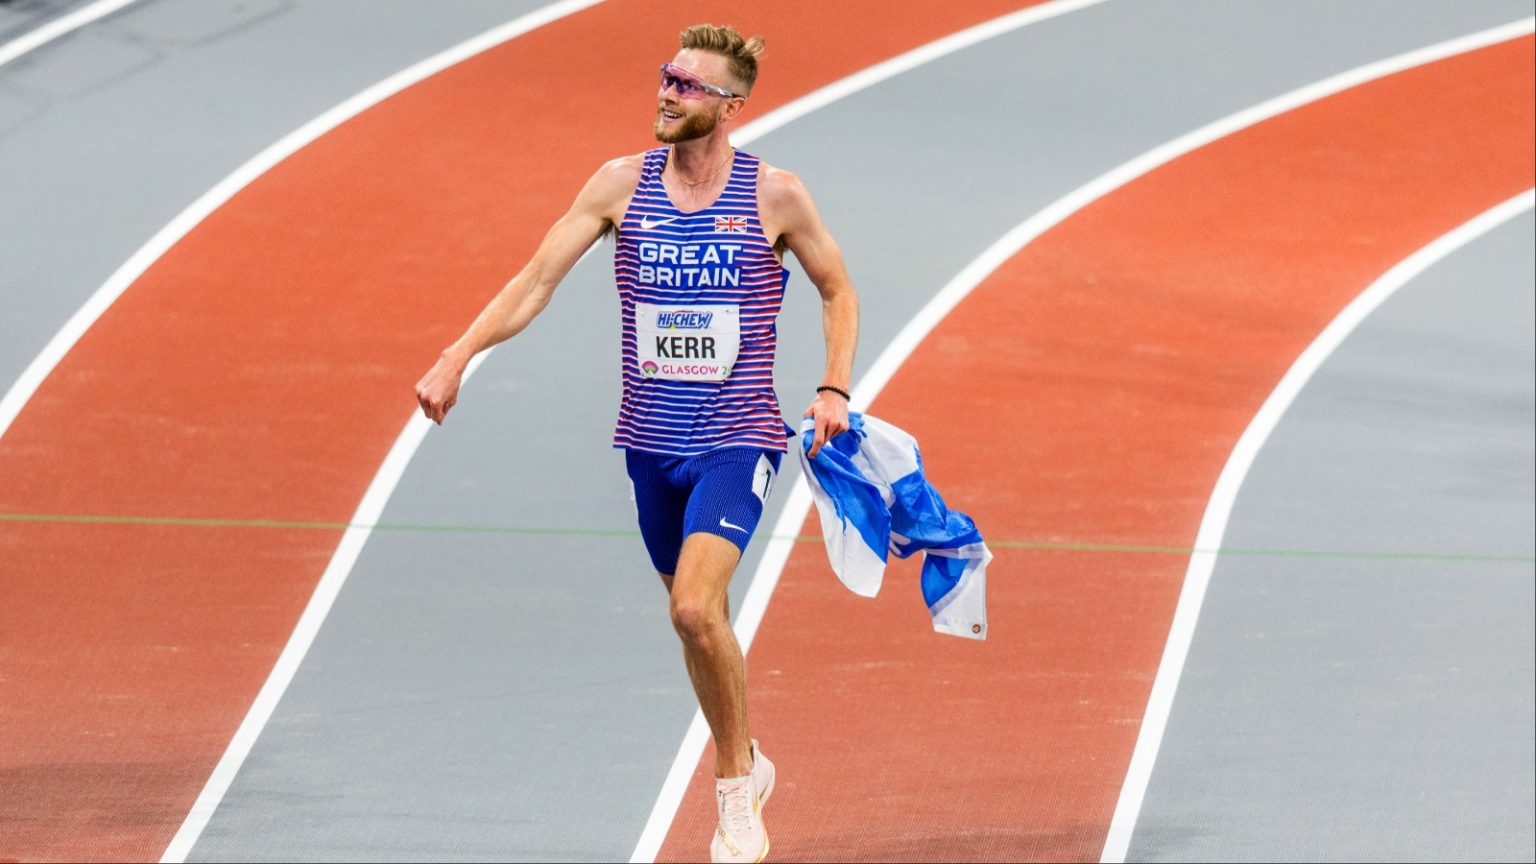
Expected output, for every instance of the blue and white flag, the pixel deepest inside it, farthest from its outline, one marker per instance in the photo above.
(873, 499)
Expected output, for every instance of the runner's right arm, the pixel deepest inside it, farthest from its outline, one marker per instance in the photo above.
(599, 205)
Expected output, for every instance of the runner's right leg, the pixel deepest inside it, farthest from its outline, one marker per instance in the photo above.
(743, 778)
(701, 616)
(729, 487)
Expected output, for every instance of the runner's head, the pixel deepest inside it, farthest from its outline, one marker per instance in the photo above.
(707, 83)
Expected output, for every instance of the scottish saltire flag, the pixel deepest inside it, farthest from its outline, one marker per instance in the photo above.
(873, 499)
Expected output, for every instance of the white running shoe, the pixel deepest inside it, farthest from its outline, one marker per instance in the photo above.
(741, 835)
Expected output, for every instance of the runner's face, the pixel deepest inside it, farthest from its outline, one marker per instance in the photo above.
(679, 119)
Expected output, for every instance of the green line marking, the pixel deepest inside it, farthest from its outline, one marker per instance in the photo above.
(1035, 545)
(1264, 553)
(187, 522)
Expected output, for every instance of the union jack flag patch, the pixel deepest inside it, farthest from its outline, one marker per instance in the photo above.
(731, 224)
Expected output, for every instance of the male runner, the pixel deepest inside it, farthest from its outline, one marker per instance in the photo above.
(700, 234)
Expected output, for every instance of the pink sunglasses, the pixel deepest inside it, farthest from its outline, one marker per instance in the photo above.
(690, 86)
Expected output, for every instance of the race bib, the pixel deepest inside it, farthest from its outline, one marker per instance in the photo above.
(687, 343)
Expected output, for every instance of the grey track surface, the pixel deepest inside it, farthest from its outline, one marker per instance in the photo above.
(1393, 699)
(521, 696)
(106, 134)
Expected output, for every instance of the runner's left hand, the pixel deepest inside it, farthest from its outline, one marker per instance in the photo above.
(831, 413)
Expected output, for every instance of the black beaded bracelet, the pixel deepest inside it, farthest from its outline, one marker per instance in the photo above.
(838, 390)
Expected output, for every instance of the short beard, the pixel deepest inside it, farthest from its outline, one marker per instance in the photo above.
(694, 126)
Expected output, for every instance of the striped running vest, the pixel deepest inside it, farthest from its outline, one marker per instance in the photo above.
(699, 294)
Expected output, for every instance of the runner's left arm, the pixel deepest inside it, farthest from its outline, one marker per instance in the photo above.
(801, 230)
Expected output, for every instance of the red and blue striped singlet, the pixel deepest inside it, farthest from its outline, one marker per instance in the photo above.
(699, 293)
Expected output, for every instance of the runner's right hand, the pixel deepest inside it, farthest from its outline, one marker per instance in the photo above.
(438, 390)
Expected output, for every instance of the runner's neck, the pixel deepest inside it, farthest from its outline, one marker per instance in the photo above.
(694, 163)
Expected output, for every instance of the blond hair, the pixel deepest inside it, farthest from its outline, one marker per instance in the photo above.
(725, 41)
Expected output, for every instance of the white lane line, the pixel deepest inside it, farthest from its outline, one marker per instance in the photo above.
(798, 506)
(383, 484)
(58, 27)
(1219, 509)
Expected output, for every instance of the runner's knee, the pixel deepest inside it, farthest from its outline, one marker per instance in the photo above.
(696, 617)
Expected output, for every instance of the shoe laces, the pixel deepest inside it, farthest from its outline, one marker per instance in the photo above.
(735, 801)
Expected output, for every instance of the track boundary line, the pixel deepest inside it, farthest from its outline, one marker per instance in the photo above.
(1219, 509)
(776, 553)
(58, 27)
(379, 489)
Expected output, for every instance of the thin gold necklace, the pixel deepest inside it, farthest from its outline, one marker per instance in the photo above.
(693, 183)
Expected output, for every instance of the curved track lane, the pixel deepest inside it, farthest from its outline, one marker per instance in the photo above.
(1124, 374)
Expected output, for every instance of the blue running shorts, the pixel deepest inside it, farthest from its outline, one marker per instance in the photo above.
(720, 492)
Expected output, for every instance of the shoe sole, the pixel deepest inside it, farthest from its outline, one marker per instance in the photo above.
(762, 802)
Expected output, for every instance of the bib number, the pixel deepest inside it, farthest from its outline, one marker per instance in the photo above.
(687, 343)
